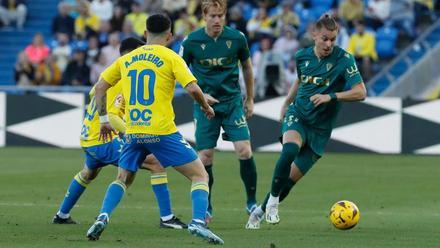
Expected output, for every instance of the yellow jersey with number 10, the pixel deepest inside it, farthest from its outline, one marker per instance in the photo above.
(91, 126)
(148, 76)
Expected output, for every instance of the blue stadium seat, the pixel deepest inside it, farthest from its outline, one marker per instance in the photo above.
(248, 11)
(386, 38)
(318, 11)
(274, 11)
(176, 45)
(416, 52)
(305, 17)
(399, 68)
(254, 47)
(434, 37)
(322, 3)
(381, 84)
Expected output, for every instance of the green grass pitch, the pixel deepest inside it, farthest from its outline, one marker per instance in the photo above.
(398, 197)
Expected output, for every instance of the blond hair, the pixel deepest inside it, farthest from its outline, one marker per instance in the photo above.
(206, 4)
(328, 22)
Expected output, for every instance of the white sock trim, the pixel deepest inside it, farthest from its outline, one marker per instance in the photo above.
(259, 211)
(63, 215)
(167, 218)
(199, 221)
(273, 200)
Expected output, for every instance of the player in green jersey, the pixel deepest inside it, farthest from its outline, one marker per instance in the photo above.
(214, 53)
(327, 75)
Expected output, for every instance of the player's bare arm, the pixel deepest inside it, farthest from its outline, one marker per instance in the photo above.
(248, 76)
(106, 130)
(196, 93)
(289, 99)
(357, 93)
(210, 99)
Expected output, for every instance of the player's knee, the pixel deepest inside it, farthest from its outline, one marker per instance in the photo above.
(206, 156)
(290, 150)
(126, 177)
(244, 152)
(200, 176)
(88, 175)
(153, 167)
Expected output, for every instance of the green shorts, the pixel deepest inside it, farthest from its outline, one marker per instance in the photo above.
(305, 159)
(314, 140)
(228, 115)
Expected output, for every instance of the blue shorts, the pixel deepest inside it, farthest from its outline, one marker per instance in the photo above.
(170, 150)
(102, 155)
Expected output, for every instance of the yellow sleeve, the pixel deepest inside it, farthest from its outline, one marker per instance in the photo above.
(112, 74)
(115, 106)
(181, 71)
(115, 99)
(116, 122)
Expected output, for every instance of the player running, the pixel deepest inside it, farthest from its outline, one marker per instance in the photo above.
(327, 75)
(214, 53)
(99, 154)
(148, 76)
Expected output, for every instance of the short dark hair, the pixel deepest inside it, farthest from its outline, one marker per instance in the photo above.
(158, 23)
(129, 45)
(328, 22)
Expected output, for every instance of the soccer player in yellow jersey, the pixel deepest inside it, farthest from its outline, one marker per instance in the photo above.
(99, 154)
(148, 76)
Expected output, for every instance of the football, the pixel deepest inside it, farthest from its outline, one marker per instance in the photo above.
(344, 215)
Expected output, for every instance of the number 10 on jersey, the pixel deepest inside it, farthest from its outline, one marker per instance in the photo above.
(137, 93)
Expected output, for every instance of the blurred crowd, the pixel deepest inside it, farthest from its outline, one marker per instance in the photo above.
(86, 34)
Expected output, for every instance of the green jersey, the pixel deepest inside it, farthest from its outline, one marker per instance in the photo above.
(334, 73)
(214, 62)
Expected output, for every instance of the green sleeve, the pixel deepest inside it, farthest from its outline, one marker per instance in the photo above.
(298, 71)
(184, 51)
(243, 51)
(351, 73)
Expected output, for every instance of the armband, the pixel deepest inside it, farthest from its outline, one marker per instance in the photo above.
(103, 119)
(333, 96)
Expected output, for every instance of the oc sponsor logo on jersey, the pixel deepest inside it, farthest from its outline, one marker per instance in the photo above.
(140, 117)
(319, 81)
(216, 61)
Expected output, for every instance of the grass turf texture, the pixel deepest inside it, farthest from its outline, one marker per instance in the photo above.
(397, 196)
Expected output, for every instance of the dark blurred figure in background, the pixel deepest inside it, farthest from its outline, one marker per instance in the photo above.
(63, 22)
(77, 72)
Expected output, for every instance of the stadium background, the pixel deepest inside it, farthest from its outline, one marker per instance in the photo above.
(41, 109)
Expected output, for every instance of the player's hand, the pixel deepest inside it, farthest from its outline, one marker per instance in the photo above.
(210, 99)
(209, 112)
(106, 132)
(283, 112)
(249, 107)
(319, 99)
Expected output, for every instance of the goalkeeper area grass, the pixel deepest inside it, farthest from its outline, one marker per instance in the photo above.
(398, 198)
